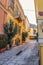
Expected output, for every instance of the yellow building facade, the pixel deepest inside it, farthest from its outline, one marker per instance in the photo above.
(15, 14)
(33, 31)
(39, 18)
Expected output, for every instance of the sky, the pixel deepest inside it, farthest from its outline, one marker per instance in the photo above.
(29, 10)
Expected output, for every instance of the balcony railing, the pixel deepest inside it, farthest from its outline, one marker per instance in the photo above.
(19, 19)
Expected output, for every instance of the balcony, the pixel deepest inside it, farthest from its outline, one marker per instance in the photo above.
(19, 19)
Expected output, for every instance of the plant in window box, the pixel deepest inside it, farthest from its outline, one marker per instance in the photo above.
(3, 42)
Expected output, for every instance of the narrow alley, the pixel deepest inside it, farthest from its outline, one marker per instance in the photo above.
(26, 54)
(21, 32)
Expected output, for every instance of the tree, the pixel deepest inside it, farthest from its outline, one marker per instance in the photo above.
(10, 30)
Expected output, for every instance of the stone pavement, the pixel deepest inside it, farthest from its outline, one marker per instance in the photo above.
(29, 56)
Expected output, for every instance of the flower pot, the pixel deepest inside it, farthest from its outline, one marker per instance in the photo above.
(2, 50)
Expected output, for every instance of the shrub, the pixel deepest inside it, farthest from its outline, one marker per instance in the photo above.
(3, 41)
(10, 30)
(24, 35)
(17, 41)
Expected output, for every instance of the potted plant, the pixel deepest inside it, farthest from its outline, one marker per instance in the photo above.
(24, 35)
(10, 30)
(3, 43)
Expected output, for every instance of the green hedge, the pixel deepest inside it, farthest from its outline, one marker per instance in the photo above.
(3, 41)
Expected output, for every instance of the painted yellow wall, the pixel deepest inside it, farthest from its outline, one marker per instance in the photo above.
(31, 31)
(39, 7)
(41, 55)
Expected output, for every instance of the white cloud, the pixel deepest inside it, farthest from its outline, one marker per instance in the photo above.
(29, 10)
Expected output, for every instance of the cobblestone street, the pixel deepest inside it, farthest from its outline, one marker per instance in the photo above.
(28, 56)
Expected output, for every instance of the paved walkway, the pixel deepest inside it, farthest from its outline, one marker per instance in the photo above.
(29, 55)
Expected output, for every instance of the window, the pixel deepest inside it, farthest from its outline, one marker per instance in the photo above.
(16, 10)
(17, 13)
(18, 29)
(12, 4)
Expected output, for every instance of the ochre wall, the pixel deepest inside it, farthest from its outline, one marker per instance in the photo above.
(38, 7)
(39, 18)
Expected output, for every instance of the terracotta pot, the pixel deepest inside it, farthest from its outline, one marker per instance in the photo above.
(2, 50)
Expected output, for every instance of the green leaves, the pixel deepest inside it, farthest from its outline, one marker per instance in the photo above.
(3, 41)
(9, 30)
(24, 35)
